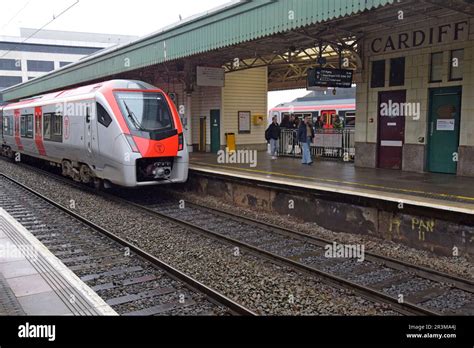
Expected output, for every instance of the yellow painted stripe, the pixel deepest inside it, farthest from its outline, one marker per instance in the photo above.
(332, 181)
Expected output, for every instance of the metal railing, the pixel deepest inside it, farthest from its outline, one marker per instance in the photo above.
(328, 143)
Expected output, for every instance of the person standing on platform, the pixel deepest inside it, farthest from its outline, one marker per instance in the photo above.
(305, 137)
(338, 124)
(319, 124)
(285, 123)
(272, 134)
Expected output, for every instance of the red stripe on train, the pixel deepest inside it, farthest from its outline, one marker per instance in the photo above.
(39, 131)
(17, 116)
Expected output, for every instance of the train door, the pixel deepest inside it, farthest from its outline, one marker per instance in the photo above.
(90, 136)
(444, 129)
(327, 117)
(391, 130)
(38, 134)
(17, 117)
(215, 131)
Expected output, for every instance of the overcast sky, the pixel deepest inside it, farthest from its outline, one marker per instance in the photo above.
(127, 17)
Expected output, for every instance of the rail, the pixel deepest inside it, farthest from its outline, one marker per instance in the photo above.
(328, 143)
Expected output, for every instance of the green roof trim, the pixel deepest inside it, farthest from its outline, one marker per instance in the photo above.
(230, 25)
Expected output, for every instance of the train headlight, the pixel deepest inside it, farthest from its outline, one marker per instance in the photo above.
(132, 143)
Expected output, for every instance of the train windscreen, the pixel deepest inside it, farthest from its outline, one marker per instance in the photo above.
(145, 112)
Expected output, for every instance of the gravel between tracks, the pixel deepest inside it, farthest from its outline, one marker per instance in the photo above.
(259, 285)
(459, 266)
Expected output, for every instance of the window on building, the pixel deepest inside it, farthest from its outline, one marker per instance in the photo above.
(61, 64)
(456, 65)
(26, 47)
(8, 81)
(397, 71)
(103, 116)
(10, 64)
(40, 65)
(436, 74)
(378, 74)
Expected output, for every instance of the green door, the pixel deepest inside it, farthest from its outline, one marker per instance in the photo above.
(215, 130)
(443, 129)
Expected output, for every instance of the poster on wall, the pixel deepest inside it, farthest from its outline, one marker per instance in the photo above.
(210, 77)
(244, 122)
(445, 125)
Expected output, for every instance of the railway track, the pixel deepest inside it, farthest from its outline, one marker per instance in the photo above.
(408, 289)
(130, 280)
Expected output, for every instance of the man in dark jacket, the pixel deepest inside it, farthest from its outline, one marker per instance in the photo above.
(305, 137)
(272, 135)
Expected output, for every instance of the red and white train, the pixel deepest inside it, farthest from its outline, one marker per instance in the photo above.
(325, 110)
(123, 132)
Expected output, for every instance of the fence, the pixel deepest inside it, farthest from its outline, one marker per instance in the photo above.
(328, 143)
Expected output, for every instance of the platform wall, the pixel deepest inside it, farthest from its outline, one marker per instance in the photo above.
(426, 229)
(245, 90)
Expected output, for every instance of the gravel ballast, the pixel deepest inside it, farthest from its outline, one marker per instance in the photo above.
(458, 266)
(257, 284)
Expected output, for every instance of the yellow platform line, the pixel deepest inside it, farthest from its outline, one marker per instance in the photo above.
(440, 195)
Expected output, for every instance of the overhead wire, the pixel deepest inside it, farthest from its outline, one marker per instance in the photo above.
(44, 26)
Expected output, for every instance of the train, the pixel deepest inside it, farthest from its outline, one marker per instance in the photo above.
(120, 132)
(323, 106)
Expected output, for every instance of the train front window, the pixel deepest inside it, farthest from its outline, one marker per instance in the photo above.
(147, 112)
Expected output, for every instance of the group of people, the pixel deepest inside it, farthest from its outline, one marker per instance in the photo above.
(305, 135)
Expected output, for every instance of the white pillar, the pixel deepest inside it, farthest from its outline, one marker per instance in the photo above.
(189, 128)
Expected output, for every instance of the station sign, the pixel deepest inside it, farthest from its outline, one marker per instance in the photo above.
(328, 77)
(420, 38)
(210, 77)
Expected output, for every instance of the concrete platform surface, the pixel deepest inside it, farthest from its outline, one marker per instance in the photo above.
(441, 191)
(34, 282)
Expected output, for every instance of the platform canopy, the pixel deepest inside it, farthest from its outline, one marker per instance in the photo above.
(285, 35)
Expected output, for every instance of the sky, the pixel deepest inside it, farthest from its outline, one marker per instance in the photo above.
(125, 17)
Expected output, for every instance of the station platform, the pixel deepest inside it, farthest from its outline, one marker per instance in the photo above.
(438, 191)
(34, 282)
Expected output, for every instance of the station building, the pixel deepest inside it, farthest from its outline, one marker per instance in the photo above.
(429, 66)
(34, 53)
(219, 66)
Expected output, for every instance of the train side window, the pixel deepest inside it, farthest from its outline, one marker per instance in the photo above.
(58, 125)
(47, 126)
(350, 120)
(53, 127)
(8, 125)
(29, 126)
(103, 116)
(23, 126)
